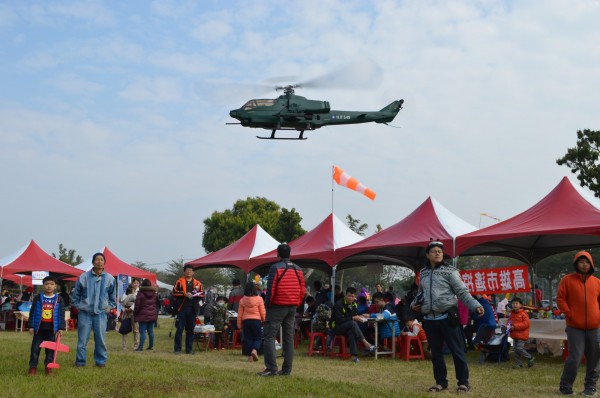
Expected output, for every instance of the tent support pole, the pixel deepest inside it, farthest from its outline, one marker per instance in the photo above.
(334, 269)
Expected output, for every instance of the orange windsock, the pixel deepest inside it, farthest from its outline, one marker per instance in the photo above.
(344, 179)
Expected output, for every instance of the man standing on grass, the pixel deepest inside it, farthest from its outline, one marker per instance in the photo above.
(94, 296)
(578, 298)
(187, 293)
(285, 292)
(437, 300)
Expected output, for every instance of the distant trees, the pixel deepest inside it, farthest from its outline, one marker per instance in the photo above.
(583, 160)
(68, 256)
(223, 228)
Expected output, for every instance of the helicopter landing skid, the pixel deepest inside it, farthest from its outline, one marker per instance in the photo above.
(272, 137)
(282, 138)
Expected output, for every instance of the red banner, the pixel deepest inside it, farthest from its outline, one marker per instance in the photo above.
(497, 280)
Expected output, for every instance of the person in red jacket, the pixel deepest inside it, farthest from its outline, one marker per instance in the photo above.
(519, 332)
(579, 299)
(285, 292)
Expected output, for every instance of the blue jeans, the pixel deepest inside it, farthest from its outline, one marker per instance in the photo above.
(186, 319)
(252, 335)
(277, 316)
(146, 326)
(439, 332)
(36, 349)
(86, 322)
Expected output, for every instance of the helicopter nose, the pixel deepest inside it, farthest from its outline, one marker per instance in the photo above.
(234, 114)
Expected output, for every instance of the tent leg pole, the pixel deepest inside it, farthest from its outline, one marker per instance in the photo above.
(333, 285)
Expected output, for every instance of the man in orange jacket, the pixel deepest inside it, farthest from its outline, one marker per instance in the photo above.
(579, 299)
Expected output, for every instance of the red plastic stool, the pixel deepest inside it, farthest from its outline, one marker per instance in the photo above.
(411, 343)
(311, 343)
(341, 342)
(236, 341)
(71, 324)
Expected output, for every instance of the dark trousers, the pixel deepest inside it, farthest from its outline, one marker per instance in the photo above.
(38, 338)
(439, 332)
(284, 316)
(581, 342)
(252, 329)
(353, 335)
(186, 319)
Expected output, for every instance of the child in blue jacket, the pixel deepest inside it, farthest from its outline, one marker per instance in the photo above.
(46, 321)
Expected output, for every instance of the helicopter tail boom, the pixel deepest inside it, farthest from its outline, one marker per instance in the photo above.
(394, 107)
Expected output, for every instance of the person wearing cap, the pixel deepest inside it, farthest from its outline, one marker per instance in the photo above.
(187, 293)
(578, 298)
(440, 286)
(94, 296)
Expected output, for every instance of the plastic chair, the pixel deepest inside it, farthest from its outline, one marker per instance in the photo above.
(236, 340)
(411, 348)
(342, 343)
(313, 336)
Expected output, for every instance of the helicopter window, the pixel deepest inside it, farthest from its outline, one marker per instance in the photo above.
(258, 102)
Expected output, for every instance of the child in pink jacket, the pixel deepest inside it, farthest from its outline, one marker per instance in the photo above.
(251, 315)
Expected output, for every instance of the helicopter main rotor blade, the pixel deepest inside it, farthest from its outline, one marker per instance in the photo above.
(362, 74)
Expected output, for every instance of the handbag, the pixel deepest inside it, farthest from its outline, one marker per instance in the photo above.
(126, 326)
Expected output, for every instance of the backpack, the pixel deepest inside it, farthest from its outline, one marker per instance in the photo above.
(322, 318)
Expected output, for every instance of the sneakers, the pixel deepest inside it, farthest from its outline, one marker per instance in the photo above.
(283, 373)
(531, 362)
(566, 391)
(517, 366)
(266, 373)
(589, 392)
(355, 360)
(31, 372)
(48, 371)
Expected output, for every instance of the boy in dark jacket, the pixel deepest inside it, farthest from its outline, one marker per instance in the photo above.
(46, 321)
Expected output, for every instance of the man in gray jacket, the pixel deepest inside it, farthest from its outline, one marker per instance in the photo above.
(94, 296)
(440, 286)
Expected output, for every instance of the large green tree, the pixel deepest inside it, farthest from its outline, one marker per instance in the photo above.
(583, 160)
(68, 256)
(223, 228)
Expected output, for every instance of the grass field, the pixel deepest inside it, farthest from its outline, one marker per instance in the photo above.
(227, 374)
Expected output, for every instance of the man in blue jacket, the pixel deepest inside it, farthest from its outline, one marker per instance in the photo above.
(94, 296)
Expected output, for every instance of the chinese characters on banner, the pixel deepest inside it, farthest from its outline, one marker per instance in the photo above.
(497, 280)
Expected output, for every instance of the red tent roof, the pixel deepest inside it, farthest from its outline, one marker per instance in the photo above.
(407, 239)
(316, 248)
(19, 279)
(240, 253)
(33, 258)
(565, 219)
(115, 266)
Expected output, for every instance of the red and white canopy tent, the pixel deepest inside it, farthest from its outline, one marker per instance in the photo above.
(116, 266)
(406, 240)
(241, 254)
(316, 248)
(32, 258)
(568, 218)
(19, 279)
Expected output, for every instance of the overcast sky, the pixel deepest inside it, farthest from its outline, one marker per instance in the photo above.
(112, 114)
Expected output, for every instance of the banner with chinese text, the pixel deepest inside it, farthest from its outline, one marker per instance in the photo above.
(497, 280)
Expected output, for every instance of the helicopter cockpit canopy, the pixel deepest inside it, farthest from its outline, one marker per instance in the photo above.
(258, 102)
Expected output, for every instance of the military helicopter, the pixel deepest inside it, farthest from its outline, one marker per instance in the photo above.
(293, 112)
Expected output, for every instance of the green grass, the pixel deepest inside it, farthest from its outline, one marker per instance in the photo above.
(227, 374)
